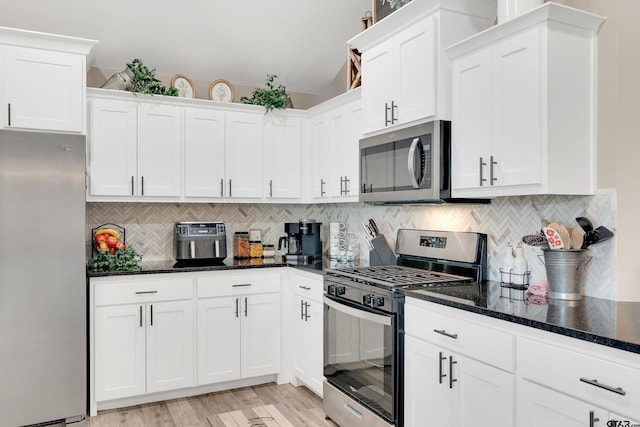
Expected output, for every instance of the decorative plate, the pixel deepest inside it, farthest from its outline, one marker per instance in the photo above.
(221, 90)
(184, 85)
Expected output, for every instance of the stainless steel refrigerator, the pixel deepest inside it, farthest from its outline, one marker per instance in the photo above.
(43, 333)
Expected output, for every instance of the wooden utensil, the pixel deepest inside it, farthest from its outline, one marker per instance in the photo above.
(563, 232)
(553, 238)
(577, 238)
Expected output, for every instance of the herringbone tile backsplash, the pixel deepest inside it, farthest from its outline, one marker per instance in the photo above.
(149, 226)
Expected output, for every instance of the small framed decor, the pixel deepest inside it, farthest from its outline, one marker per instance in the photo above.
(221, 90)
(184, 85)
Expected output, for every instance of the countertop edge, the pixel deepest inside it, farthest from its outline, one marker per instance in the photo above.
(544, 326)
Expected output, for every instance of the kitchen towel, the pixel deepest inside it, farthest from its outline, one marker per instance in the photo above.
(540, 288)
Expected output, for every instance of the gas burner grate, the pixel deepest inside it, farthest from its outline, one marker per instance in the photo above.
(392, 276)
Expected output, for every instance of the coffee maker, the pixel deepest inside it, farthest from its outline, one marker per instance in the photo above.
(302, 241)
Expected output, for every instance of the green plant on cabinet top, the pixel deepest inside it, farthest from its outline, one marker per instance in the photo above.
(145, 81)
(271, 98)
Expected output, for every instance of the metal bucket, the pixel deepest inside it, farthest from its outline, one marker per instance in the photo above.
(565, 272)
(120, 80)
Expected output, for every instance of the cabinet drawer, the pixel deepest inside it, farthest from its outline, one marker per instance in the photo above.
(109, 291)
(568, 371)
(307, 287)
(458, 332)
(238, 283)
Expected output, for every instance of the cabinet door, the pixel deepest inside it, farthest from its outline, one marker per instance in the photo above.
(517, 110)
(339, 135)
(119, 352)
(347, 151)
(170, 345)
(260, 334)
(204, 151)
(322, 154)
(244, 155)
(112, 152)
(428, 400)
(415, 72)
(471, 121)
(282, 158)
(308, 343)
(44, 89)
(218, 340)
(542, 407)
(377, 87)
(159, 150)
(483, 395)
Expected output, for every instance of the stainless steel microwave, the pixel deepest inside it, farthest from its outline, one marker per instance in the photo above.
(408, 166)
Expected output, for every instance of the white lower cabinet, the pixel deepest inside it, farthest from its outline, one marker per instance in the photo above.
(238, 326)
(541, 407)
(451, 377)
(307, 330)
(143, 337)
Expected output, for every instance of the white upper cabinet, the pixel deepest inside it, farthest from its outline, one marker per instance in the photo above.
(282, 156)
(135, 149)
(405, 72)
(43, 81)
(244, 155)
(523, 106)
(335, 132)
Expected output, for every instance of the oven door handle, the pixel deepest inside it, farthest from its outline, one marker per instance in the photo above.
(359, 313)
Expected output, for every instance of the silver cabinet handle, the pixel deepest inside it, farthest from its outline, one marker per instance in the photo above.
(229, 187)
(245, 307)
(492, 178)
(151, 310)
(346, 185)
(9, 114)
(451, 379)
(441, 374)
(445, 333)
(353, 410)
(594, 382)
(301, 310)
(322, 183)
(132, 183)
(237, 307)
(270, 188)
(306, 311)
(141, 316)
(240, 285)
(592, 419)
(221, 187)
(146, 292)
(394, 108)
(306, 288)
(482, 180)
(142, 191)
(386, 114)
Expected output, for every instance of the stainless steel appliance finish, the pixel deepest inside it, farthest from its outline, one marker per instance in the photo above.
(43, 311)
(411, 165)
(364, 320)
(199, 243)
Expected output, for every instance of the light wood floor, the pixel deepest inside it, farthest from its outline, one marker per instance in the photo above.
(246, 407)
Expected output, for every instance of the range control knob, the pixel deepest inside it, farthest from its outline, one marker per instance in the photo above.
(340, 290)
(372, 300)
(336, 290)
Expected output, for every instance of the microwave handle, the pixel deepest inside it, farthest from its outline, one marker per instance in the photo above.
(410, 163)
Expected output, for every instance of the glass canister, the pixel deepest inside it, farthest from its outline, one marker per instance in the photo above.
(255, 248)
(241, 245)
(268, 251)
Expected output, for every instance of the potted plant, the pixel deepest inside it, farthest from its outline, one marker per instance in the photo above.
(270, 98)
(144, 80)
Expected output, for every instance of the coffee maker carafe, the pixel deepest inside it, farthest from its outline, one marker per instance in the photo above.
(303, 242)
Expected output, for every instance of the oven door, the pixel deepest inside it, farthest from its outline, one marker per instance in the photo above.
(360, 355)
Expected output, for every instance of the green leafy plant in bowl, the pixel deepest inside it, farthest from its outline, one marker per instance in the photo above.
(121, 260)
(271, 98)
(144, 80)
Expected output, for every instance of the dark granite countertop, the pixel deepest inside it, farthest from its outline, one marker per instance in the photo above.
(611, 323)
(168, 266)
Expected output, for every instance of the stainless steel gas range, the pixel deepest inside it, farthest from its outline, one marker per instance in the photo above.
(364, 321)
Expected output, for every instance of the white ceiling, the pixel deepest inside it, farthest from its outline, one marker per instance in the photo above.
(302, 41)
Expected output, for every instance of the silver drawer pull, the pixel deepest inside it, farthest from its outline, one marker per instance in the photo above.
(239, 285)
(353, 410)
(595, 382)
(146, 292)
(446, 334)
(306, 288)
